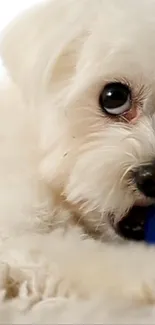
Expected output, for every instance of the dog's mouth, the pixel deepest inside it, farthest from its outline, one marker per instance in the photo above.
(132, 226)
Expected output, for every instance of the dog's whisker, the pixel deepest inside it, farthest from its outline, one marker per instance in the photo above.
(126, 172)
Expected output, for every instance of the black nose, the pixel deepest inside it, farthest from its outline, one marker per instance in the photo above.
(144, 177)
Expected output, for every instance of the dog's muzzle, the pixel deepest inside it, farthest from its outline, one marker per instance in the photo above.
(144, 178)
(132, 226)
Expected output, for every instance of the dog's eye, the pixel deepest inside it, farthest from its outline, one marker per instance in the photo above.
(115, 98)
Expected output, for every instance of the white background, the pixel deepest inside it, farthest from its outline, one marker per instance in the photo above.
(10, 8)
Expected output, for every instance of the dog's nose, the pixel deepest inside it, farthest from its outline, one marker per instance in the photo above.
(144, 177)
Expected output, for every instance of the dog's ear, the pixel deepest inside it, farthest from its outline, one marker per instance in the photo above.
(41, 44)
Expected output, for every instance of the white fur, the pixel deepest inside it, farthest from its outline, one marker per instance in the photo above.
(64, 163)
(64, 278)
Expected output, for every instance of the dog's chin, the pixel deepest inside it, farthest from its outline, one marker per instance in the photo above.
(132, 225)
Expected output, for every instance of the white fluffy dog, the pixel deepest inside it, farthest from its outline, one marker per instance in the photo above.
(77, 152)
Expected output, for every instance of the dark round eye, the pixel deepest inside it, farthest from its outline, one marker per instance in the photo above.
(115, 98)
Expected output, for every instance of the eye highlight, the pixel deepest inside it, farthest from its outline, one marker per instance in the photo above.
(115, 98)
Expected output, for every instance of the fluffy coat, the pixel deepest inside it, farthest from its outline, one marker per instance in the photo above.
(64, 164)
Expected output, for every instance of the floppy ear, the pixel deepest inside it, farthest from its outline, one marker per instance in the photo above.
(41, 45)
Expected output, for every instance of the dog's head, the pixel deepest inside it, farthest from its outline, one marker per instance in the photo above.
(88, 68)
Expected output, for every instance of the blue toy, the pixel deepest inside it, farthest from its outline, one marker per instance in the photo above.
(150, 226)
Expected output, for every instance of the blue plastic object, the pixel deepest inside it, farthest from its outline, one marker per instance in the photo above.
(150, 226)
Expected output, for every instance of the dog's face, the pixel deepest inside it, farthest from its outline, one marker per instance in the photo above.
(89, 67)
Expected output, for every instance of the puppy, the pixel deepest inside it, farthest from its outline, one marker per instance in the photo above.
(77, 137)
(77, 118)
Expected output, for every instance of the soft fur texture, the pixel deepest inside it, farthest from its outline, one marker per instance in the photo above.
(65, 164)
